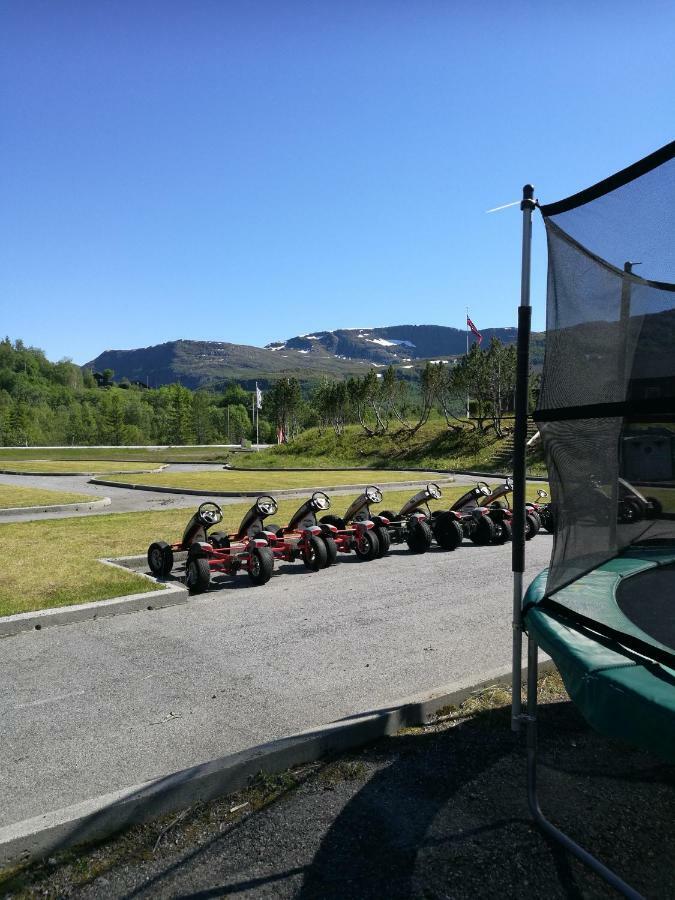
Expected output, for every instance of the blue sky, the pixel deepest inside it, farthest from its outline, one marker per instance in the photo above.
(247, 171)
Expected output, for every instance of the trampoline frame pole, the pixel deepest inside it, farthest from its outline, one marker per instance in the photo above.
(533, 802)
(519, 439)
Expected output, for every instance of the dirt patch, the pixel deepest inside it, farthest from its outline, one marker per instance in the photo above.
(434, 812)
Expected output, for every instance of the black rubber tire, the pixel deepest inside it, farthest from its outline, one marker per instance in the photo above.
(531, 526)
(631, 511)
(537, 518)
(160, 559)
(383, 540)
(331, 550)
(368, 546)
(547, 523)
(447, 531)
(316, 554)
(419, 537)
(261, 566)
(484, 532)
(332, 520)
(197, 574)
(219, 540)
(503, 532)
(388, 514)
(654, 508)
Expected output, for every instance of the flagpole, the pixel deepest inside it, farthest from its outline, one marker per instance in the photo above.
(467, 354)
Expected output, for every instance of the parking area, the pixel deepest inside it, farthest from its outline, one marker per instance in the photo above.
(99, 705)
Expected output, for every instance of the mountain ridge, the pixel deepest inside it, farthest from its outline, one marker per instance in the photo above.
(338, 353)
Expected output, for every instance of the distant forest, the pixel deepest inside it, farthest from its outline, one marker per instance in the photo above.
(46, 403)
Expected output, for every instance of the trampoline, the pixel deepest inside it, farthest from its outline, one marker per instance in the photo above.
(604, 610)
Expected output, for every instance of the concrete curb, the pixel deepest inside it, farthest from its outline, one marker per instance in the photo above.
(174, 594)
(159, 468)
(102, 816)
(284, 492)
(58, 507)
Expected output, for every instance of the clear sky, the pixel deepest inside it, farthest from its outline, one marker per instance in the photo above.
(247, 171)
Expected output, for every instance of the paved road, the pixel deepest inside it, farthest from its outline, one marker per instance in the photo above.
(100, 705)
(127, 500)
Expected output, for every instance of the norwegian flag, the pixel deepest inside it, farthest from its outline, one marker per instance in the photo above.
(470, 325)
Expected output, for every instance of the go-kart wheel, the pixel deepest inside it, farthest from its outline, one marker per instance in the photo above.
(197, 574)
(331, 550)
(532, 525)
(419, 537)
(366, 545)
(629, 511)
(314, 553)
(547, 523)
(447, 531)
(219, 540)
(160, 559)
(484, 532)
(383, 540)
(261, 565)
(332, 520)
(503, 532)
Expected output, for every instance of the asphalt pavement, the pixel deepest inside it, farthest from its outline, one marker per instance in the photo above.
(104, 704)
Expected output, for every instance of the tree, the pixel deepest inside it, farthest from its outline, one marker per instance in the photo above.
(179, 415)
(282, 404)
(108, 375)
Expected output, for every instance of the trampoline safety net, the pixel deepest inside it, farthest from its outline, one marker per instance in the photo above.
(606, 410)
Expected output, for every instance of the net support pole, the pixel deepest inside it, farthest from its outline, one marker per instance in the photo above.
(519, 440)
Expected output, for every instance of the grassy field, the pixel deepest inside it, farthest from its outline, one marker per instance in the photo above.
(268, 482)
(12, 496)
(66, 571)
(69, 466)
(179, 454)
(433, 447)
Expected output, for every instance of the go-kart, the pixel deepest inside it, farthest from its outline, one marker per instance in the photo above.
(410, 524)
(358, 530)
(492, 502)
(217, 552)
(634, 506)
(544, 511)
(465, 518)
(303, 537)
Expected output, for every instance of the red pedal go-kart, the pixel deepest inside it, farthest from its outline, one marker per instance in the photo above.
(410, 525)
(532, 516)
(358, 530)
(303, 537)
(218, 552)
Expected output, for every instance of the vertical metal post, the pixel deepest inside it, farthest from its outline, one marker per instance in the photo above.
(624, 317)
(520, 436)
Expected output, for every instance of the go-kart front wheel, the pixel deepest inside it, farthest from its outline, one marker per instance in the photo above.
(160, 559)
(366, 545)
(447, 531)
(197, 574)
(331, 550)
(532, 525)
(383, 540)
(419, 536)
(503, 532)
(314, 553)
(261, 565)
(484, 532)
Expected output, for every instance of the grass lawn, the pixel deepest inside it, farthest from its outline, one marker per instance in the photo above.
(67, 466)
(141, 454)
(268, 482)
(12, 496)
(66, 571)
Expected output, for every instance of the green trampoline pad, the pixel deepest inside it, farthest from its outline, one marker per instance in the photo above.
(619, 692)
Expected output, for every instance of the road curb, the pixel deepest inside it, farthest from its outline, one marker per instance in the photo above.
(284, 492)
(58, 507)
(174, 594)
(101, 817)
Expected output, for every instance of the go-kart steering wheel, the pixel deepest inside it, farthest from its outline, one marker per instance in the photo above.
(320, 500)
(373, 494)
(266, 506)
(484, 488)
(508, 481)
(541, 493)
(434, 491)
(209, 514)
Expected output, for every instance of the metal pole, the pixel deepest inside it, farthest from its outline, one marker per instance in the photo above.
(520, 436)
(467, 356)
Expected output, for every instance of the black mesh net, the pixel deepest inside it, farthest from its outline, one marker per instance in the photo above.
(606, 410)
